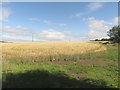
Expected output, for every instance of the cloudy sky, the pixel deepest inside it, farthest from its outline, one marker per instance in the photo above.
(60, 21)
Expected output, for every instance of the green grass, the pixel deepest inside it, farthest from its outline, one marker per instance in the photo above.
(110, 54)
(74, 74)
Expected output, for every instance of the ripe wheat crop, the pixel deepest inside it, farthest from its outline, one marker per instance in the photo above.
(48, 51)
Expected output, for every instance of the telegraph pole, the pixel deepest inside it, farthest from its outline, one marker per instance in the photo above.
(32, 37)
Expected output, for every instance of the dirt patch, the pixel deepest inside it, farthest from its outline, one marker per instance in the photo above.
(77, 76)
(93, 62)
(80, 75)
(101, 62)
(64, 62)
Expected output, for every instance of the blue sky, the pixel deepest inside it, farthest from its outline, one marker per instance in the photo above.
(60, 21)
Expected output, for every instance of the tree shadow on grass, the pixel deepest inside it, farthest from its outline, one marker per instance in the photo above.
(44, 79)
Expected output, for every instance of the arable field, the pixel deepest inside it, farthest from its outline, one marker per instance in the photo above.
(59, 64)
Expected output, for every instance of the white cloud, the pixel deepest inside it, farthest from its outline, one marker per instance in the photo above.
(92, 34)
(97, 28)
(10, 38)
(14, 30)
(77, 14)
(94, 6)
(62, 24)
(47, 21)
(10, 34)
(91, 7)
(116, 20)
(19, 27)
(17, 33)
(51, 35)
(97, 25)
(54, 35)
(8, 29)
(34, 19)
(4, 13)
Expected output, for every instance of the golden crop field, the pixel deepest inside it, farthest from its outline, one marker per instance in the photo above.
(40, 51)
(35, 62)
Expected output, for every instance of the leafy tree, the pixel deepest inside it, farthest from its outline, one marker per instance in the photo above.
(114, 34)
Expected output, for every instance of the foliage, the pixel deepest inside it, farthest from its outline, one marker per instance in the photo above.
(114, 34)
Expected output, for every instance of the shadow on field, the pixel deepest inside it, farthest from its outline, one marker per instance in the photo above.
(44, 79)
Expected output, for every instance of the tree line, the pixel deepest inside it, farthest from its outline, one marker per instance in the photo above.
(114, 35)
